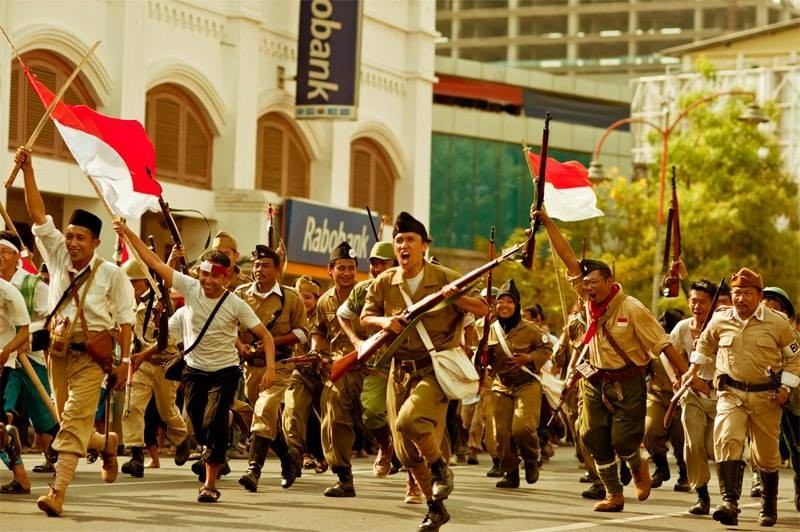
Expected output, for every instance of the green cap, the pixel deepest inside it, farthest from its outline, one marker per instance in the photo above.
(382, 250)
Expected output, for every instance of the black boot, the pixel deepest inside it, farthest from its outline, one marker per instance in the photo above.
(510, 480)
(135, 466)
(258, 455)
(442, 477)
(182, 451)
(437, 516)
(495, 472)
(661, 473)
(797, 492)
(768, 515)
(596, 492)
(531, 471)
(625, 475)
(703, 504)
(755, 485)
(731, 473)
(682, 484)
(290, 468)
(343, 488)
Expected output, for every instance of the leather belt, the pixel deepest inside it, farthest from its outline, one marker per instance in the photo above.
(616, 375)
(78, 346)
(726, 380)
(414, 365)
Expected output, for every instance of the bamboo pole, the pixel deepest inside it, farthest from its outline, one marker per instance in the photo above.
(26, 365)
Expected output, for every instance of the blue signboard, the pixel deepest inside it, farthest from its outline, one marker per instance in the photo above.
(312, 230)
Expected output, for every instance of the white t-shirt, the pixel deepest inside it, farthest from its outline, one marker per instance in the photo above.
(13, 314)
(217, 348)
(40, 308)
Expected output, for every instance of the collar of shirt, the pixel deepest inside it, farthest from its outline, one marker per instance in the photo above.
(758, 314)
(71, 268)
(276, 289)
(18, 277)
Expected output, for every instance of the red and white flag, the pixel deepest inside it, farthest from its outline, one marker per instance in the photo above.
(116, 154)
(568, 194)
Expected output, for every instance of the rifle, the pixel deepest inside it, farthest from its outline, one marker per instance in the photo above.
(273, 239)
(173, 230)
(671, 284)
(673, 404)
(372, 224)
(413, 313)
(538, 183)
(582, 369)
(482, 351)
(167, 310)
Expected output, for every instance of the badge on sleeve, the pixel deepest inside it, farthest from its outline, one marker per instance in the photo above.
(622, 321)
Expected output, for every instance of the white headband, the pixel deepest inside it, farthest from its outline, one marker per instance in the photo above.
(8, 244)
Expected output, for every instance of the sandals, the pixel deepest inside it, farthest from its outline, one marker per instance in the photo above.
(208, 494)
(14, 488)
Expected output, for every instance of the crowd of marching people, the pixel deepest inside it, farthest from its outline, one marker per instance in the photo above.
(221, 357)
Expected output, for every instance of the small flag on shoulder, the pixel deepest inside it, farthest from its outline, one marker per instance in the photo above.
(568, 194)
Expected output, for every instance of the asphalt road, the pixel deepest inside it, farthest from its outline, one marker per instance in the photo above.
(166, 500)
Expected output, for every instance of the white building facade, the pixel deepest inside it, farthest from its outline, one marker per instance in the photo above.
(213, 83)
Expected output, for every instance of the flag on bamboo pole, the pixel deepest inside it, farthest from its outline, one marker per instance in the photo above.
(115, 153)
(568, 192)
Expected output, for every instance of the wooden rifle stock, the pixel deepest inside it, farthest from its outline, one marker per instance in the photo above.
(273, 240)
(166, 303)
(538, 183)
(683, 389)
(372, 344)
(482, 351)
(671, 285)
(173, 230)
(569, 386)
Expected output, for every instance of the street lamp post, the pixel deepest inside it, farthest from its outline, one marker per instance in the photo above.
(753, 115)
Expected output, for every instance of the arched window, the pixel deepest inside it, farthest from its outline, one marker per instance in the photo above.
(372, 178)
(282, 165)
(180, 131)
(27, 109)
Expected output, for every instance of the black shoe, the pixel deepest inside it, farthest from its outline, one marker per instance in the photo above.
(727, 513)
(437, 516)
(343, 488)
(531, 472)
(290, 471)
(682, 484)
(182, 452)
(199, 469)
(596, 492)
(223, 470)
(510, 480)
(133, 468)
(442, 477)
(495, 472)
(586, 479)
(250, 479)
(797, 492)
(701, 507)
(472, 460)
(45, 467)
(625, 475)
(768, 515)
(661, 473)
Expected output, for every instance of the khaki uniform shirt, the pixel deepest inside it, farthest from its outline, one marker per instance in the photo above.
(328, 325)
(747, 351)
(444, 326)
(148, 337)
(633, 327)
(290, 318)
(525, 337)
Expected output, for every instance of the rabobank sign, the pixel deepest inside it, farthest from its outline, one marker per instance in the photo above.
(314, 229)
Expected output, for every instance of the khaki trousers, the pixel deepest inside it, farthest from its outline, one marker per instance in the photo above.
(304, 392)
(573, 407)
(655, 435)
(76, 380)
(478, 420)
(417, 409)
(266, 411)
(252, 381)
(756, 414)
(373, 399)
(341, 412)
(697, 417)
(516, 418)
(149, 381)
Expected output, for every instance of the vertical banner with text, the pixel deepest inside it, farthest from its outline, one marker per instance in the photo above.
(328, 59)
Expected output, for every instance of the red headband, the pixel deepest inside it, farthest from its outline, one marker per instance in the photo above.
(210, 267)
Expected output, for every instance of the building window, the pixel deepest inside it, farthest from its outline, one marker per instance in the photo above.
(180, 131)
(372, 178)
(27, 109)
(282, 165)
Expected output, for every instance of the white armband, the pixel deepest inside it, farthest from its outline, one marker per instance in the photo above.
(789, 379)
(700, 359)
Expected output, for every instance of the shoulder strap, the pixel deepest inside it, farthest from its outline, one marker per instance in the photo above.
(616, 346)
(501, 338)
(207, 323)
(423, 333)
(88, 285)
(64, 296)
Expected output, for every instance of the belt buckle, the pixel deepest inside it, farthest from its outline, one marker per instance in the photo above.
(409, 366)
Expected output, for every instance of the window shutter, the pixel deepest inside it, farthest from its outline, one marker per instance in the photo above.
(15, 109)
(298, 170)
(360, 179)
(167, 137)
(197, 148)
(384, 191)
(34, 111)
(271, 159)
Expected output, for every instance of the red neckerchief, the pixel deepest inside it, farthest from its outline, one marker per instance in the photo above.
(596, 311)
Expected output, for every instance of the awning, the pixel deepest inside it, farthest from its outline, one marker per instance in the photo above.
(474, 89)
